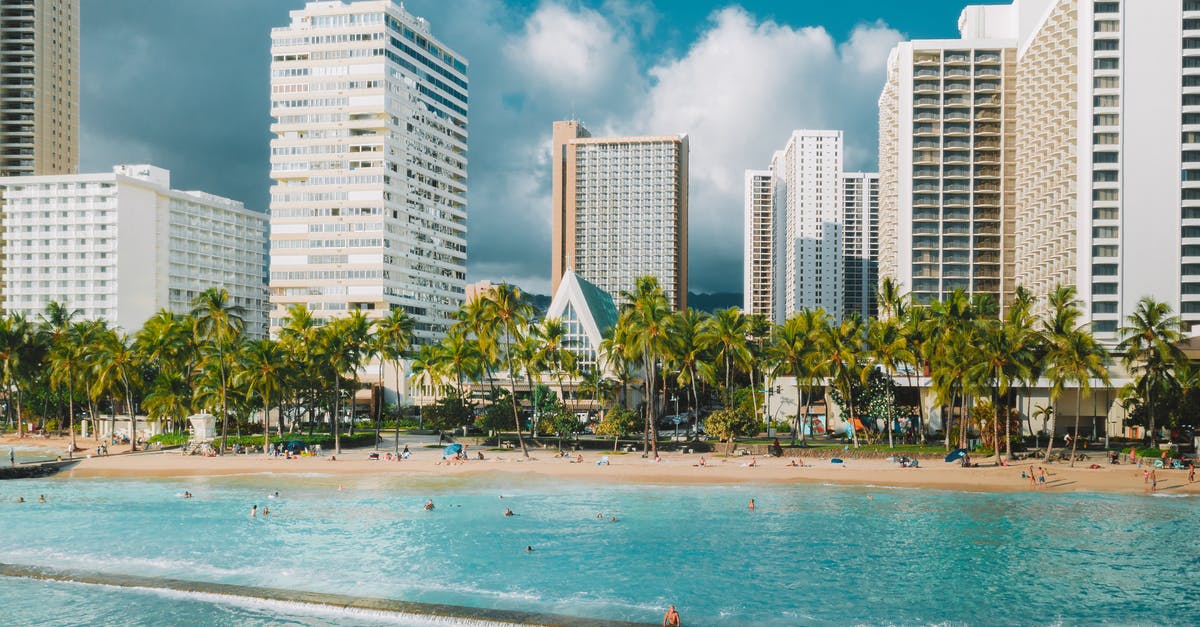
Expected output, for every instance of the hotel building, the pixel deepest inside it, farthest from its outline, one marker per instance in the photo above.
(368, 158)
(39, 87)
(946, 157)
(795, 229)
(1105, 173)
(860, 243)
(619, 210)
(758, 267)
(120, 246)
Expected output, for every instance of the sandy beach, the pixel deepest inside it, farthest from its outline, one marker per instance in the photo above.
(675, 468)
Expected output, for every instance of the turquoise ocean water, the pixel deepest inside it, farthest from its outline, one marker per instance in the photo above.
(808, 554)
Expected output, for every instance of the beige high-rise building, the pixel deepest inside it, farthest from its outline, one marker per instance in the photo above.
(39, 87)
(619, 209)
(758, 280)
(946, 156)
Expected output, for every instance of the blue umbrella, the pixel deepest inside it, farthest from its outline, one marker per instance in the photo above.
(452, 449)
(956, 454)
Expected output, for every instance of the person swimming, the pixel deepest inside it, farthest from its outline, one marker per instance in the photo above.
(751, 503)
(508, 512)
(187, 495)
(253, 511)
(429, 505)
(529, 549)
(20, 499)
(41, 498)
(266, 510)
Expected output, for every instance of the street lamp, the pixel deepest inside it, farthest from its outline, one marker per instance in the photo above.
(675, 418)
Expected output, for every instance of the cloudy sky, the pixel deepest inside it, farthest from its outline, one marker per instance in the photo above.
(184, 84)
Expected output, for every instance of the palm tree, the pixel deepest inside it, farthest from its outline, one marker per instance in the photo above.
(842, 345)
(887, 348)
(552, 352)
(117, 367)
(1079, 358)
(359, 348)
(261, 370)
(725, 332)
(299, 334)
(16, 339)
(66, 360)
(506, 310)
(1000, 361)
(394, 334)
(891, 299)
(1024, 335)
(795, 350)
(1149, 349)
(646, 318)
(219, 323)
(169, 397)
(915, 321)
(686, 352)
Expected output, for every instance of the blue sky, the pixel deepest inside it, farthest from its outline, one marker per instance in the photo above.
(184, 85)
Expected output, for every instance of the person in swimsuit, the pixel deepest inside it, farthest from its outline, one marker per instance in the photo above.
(671, 618)
(429, 505)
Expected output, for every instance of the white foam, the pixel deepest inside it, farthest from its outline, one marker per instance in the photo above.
(295, 607)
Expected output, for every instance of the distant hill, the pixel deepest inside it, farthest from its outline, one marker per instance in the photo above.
(714, 301)
(539, 302)
(699, 302)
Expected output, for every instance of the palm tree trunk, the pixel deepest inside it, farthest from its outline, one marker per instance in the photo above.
(801, 414)
(996, 423)
(71, 419)
(398, 406)
(1075, 440)
(512, 388)
(1053, 420)
(891, 412)
(850, 404)
(920, 408)
(267, 423)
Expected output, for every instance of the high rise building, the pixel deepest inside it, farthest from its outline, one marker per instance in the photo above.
(368, 158)
(811, 231)
(619, 210)
(860, 247)
(1109, 155)
(808, 194)
(758, 285)
(122, 245)
(1105, 173)
(946, 155)
(39, 87)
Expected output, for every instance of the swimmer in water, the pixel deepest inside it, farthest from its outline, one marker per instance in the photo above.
(751, 503)
(187, 495)
(429, 505)
(41, 498)
(20, 499)
(508, 512)
(253, 511)
(266, 510)
(528, 549)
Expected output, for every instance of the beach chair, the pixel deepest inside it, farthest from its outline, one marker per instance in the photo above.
(603, 461)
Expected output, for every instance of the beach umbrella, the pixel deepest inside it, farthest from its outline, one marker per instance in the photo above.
(956, 454)
(453, 449)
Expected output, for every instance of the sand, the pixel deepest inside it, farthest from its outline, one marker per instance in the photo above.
(675, 468)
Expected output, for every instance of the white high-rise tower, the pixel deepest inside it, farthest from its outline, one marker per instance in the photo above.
(368, 209)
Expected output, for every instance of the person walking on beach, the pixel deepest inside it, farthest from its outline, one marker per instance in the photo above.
(1191, 473)
(1041, 477)
(671, 618)
(1154, 480)
(12, 457)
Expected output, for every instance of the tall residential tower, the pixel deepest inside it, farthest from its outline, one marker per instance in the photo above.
(368, 209)
(39, 87)
(860, 243)
(619, 210)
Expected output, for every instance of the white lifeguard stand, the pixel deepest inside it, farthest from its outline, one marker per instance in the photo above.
(204, 427)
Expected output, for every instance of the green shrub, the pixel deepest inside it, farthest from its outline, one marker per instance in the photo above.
(170, 439)
(362, 438)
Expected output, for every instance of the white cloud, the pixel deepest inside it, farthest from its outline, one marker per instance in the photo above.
(573, 56)
(738, 91)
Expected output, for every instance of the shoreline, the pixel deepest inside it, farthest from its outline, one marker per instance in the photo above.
(675, 469)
